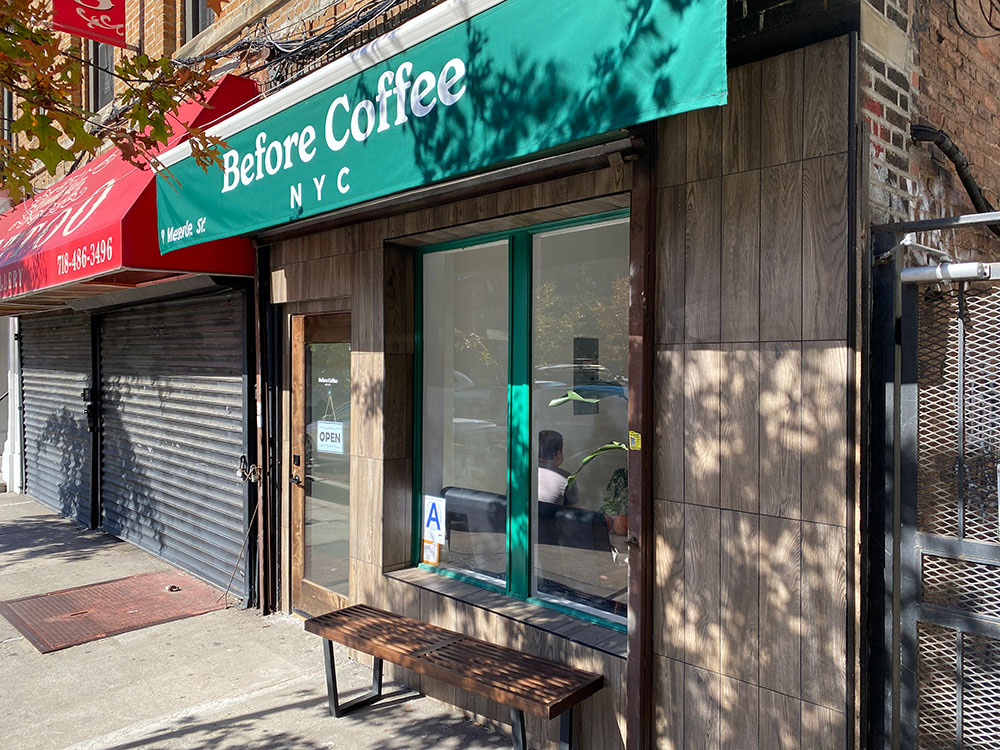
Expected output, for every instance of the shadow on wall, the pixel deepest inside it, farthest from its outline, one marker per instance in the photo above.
(64, 441)
(130, 508)
(751, 566)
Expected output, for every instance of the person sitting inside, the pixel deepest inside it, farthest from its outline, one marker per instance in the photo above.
(552, 480)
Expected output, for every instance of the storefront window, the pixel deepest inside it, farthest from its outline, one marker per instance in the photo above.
(579, 407)
(522, 407)
(465, 409)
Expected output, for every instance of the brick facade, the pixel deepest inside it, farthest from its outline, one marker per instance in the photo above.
(919, 66)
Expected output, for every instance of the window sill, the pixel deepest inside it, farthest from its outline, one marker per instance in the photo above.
(591, 635)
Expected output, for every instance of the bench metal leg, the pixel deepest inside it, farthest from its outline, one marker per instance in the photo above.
(517, 729)
(566, 730)
(336, 708)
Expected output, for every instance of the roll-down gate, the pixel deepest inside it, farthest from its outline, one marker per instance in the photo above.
(56, 381)
(174, 398)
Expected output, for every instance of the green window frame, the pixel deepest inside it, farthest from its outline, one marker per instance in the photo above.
(519, 406)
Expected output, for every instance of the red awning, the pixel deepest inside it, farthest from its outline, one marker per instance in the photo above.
(94, 231)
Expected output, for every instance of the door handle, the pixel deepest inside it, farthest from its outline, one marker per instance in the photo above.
(296, 479)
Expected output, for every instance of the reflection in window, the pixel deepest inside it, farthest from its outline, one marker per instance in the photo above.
(524, 359)
(327, 465)
(465, 405)
(199, 18)
(102, 83)
(580, 404)
(6, 119)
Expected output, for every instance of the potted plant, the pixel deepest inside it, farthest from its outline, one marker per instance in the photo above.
(615, 507)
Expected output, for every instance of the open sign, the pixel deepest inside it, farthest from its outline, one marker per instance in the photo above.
(330, 437)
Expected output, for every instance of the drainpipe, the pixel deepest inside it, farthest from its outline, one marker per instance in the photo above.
(925, 133)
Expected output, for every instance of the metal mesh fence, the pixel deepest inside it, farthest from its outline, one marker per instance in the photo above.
(937, 684)
(980, 692)
(937, 425)
(958, 453)
(972, 587)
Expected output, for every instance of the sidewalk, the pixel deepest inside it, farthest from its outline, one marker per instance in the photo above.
(226, 679)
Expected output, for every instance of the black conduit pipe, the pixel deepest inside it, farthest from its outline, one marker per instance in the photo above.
(925, 133)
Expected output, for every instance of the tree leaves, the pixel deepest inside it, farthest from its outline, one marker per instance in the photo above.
(51, 127)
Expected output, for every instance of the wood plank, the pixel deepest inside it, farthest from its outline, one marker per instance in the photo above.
(702, 587)
(780, 605)
(823, 728)
(668, 581)
(398, 298)
(781, 253)
(739, 713)
(704, 143)
(780, 722)
(824, 248)
(365, 511)
(702, 414)
(739, 464)
(824, 432)
(740, 547)
(367, 305)
(397, 505)
(703, 260)
(824, 615)
(397, 418)
(741, 231)
(826, 68)
(702, 693)
(668, 424)
(668, 695)
(671, 163)
(367, 403)
(741, 121)
(781, 108)
(781, 429)
(432, 612)
(591, 718)
(670, 254)
(608, 708)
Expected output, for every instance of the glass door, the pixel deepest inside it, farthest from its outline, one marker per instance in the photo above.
(320, 471)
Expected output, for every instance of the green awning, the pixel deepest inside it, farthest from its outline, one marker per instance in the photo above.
(461, 87)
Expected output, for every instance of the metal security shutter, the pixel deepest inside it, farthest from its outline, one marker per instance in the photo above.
(55, 370)
(173, 394)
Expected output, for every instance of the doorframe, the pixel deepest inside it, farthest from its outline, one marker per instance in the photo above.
(639, 668)
(306, 596)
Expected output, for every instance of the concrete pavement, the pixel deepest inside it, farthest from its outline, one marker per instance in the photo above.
(226, 679)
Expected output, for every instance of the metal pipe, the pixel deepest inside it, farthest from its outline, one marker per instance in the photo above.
(945, 272)
(925, 133)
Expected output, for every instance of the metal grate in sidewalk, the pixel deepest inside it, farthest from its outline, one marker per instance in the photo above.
(61, 619)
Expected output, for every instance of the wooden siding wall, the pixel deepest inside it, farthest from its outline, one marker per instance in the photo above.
(364, 269)
(751, 380)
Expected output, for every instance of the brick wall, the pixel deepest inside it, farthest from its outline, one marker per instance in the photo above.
(919, 66)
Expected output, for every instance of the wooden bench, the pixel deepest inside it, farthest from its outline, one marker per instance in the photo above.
(512, 678)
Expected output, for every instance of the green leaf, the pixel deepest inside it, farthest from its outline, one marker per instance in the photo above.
(572, 396)
(614, 445)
